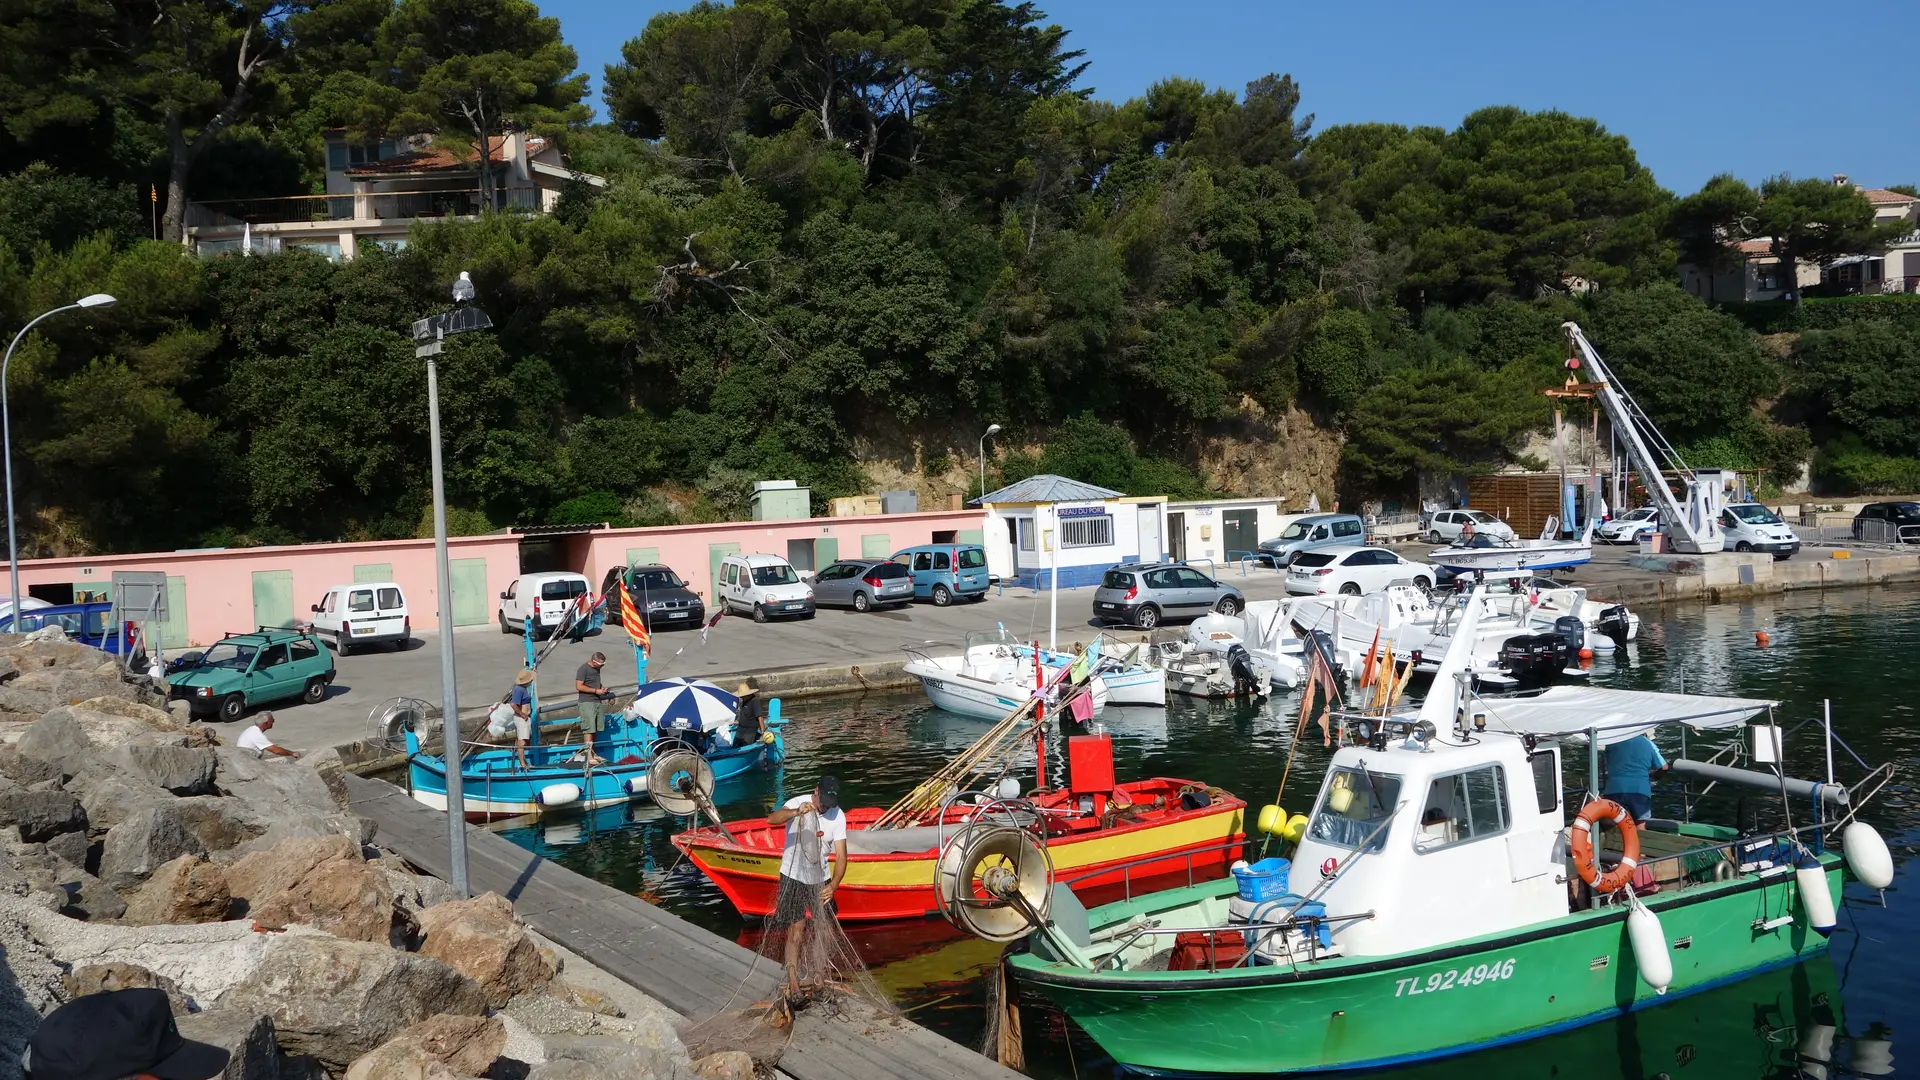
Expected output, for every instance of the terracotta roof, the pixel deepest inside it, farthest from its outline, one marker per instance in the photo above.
(1756, 247)
(435, 158)
(1883, 197)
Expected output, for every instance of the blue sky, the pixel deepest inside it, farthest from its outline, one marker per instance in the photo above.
(1699, 86)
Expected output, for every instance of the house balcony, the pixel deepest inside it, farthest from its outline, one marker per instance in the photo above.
(335, 225)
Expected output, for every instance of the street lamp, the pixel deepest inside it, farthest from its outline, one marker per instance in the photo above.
(429, 336)
(992, 429)
(98, 299)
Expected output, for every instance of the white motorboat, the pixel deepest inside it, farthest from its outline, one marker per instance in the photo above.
(1265, 628)
(1545, 553)
(992, 676)
(1205, 673)
(1132, 673)
(1516, 636)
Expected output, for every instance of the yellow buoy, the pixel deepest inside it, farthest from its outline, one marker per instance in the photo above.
(1271, 820)
(1296, 828)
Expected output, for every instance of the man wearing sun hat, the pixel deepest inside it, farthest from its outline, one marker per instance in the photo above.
(747, 712)
(121, 1033)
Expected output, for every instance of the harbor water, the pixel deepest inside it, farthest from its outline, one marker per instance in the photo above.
(1833, 1016)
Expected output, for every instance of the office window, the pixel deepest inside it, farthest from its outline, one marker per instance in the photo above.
(1086, 532)
(1026, 533)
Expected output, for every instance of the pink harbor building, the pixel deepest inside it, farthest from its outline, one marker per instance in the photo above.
(216, 591)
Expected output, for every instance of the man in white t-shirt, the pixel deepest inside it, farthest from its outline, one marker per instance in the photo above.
(255, 739)
(811, 866)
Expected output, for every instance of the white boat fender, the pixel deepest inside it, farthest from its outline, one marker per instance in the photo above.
(1810, 879)
(559, 794)
(1867, 855)
(1649, 943)
(637, 785)
(1871, 1057)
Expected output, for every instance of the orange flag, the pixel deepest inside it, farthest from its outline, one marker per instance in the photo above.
(630, 618)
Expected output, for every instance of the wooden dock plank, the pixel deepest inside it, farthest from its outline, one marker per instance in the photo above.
(691, 971)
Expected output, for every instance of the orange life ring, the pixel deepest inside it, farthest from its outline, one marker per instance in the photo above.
(1583, 858)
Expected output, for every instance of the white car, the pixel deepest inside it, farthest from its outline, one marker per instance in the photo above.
(543, 597)
(764, 586)
(1354, 571)
(1752, 527)
(1447, 525)
(1628, 528)
(365, 613)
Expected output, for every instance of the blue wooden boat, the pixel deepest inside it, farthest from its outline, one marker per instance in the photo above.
(494, 786)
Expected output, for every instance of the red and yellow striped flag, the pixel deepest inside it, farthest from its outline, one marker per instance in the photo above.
(630, 618)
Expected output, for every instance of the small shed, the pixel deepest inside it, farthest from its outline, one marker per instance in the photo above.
(1096, 529)
(781, 500)
(1526, 500)
(1221, 531)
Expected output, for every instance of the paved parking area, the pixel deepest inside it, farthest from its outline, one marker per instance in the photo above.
(486, 660)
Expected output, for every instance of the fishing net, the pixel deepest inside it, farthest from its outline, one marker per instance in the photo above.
(806, 968)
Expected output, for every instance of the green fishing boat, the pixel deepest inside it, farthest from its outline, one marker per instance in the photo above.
(1447, 895)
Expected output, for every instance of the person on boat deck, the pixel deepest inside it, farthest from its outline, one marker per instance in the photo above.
(812, 865)
(1632, 765)
(747, 714)
(593, 703)
(255, 739)
(520, 700)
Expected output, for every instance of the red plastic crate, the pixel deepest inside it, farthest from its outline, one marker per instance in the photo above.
(1190, 951)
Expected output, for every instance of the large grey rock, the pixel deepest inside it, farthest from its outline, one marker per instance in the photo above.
(50, 688)
(149, 838)
(25, 770)
(461, 1045)
(34, 656)
(83, 896)
(42, 815)
(276, 782)
(182, 770)
(550, 1017)
(111, 797)
(246, 1036)
(59, 740)
(483, 939)
(150, 716)
(188, 889)
(73, 847)
(317, 882)
(340, 999)
(725, 1065)
(607, 1057)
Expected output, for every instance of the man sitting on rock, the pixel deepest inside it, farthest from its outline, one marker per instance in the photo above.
(255, 739)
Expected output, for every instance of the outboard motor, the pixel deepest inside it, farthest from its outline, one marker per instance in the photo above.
(1538, 659)
(1323, 641)
(1573, 632)
(1246, 679)
(1613, 623)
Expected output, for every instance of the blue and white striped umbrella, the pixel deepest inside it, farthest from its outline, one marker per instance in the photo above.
(685, 704)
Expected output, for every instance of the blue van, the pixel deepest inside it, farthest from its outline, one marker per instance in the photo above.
(946, 572)
(84, 623)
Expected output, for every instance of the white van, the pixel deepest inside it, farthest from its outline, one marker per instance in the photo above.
(544, 597)
(1752, 527)
(364, 613)
(764, 585)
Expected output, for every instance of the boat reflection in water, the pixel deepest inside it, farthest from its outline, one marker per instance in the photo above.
(1782, 1023)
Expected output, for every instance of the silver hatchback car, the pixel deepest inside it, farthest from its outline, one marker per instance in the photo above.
(863, 584)
(1147, 595)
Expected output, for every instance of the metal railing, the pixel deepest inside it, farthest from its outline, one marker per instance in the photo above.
(359, 206)
(1126, 869)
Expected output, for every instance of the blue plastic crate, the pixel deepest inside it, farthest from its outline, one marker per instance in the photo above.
(1264, 880)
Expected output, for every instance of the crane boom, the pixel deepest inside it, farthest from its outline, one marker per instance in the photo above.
(1694, 525)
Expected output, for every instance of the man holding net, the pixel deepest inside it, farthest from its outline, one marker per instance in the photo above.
(811, 867)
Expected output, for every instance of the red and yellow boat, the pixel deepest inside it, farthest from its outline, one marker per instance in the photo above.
(890, 871)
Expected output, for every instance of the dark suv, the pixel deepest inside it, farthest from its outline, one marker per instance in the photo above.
(1147, 595)
(660, 597)
(1888, 523)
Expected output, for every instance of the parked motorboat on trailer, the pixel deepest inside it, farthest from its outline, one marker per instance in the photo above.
(992, 674)
(565, 774)
(1546, 553)
(1333, 956)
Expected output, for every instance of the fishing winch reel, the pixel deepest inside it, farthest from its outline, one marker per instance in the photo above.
(389, 722)
(994, 881)
(681, 782)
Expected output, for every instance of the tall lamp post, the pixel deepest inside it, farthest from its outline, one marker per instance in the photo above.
(98, 299)
(430, 335)
(992, 429)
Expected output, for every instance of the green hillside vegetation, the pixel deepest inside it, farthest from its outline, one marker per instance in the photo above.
(827, 223)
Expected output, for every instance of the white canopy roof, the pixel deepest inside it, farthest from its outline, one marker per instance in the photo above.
(1617, 714)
